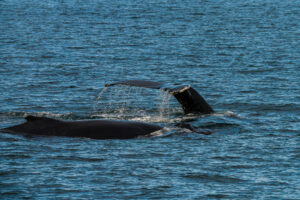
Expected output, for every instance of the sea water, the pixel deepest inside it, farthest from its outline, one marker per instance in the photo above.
(243, 57)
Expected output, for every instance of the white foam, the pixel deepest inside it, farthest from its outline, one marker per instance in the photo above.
(48, 114)
(226, 114)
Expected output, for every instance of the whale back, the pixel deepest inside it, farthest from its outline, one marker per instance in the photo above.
(110, 129)
(35, 125)
(96, 129)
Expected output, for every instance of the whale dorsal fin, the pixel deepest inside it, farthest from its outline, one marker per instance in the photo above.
(31, 118)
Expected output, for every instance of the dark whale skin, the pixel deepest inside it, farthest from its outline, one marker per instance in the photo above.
(95, 129)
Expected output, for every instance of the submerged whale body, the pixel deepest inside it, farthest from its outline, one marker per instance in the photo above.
(95, 129)
(189, 99)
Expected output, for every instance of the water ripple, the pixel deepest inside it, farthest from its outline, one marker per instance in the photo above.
(243, 57)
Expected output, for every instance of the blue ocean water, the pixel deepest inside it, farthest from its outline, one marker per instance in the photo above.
(242, 56)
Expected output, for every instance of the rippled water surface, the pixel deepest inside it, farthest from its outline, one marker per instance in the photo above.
(242, 56)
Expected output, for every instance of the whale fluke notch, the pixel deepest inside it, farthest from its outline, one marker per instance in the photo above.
(189, 99)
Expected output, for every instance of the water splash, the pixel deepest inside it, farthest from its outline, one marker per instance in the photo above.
(124, 95)
(164, 107)
(98, 98)
(115, 102)
(226, 114)
(132, 103)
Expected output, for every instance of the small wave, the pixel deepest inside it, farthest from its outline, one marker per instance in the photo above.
(132, 117)
(192, 117)
(107, 116)
(152, 119)
(22, 114)
(218, 125)
(257, 106)
(218, 196)
(78, 158)
(157, 133)
(16, 156)
(213, 177)
(226, 114)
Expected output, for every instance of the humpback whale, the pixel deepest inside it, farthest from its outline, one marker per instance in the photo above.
(95, 129)
(189, 99)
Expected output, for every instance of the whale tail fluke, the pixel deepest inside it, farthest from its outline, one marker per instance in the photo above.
(189, 99)
(138, 83)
